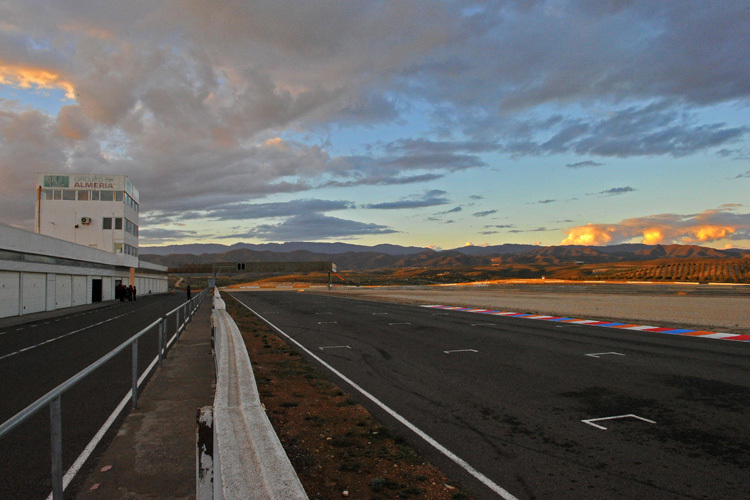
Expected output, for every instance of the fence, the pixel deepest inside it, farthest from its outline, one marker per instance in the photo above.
(182, 313)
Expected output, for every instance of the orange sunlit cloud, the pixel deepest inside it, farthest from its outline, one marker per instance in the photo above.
(708, 226)
(26, 77)
(590, 234)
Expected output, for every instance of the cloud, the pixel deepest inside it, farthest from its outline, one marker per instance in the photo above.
(310, 227)
(582, 164)
(535, 230)
(544, 202)
(745, 175)
(706, 227)
(427, 199)
(614, 191)
(198, 102)
(154, 236)
(485, 213)
(451, 211)
(244, 211)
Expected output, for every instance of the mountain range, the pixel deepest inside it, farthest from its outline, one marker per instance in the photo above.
(361, 257)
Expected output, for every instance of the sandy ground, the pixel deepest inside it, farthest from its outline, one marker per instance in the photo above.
(720, 309)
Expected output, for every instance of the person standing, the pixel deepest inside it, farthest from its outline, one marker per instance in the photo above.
(188, 292)
(134, 293)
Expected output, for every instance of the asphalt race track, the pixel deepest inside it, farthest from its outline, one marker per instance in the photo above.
(36, 357)
(530, 406)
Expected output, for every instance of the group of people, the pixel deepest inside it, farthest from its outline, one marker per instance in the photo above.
(126, 292)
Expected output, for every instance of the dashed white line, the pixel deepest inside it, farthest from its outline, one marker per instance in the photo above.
(597, 354)
(393, 324)
(460, 350)
(327, 322)
(334, 347)
(62, 336)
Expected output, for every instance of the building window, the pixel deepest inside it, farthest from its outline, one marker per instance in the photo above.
(69, 194)
(83, 196)
(118, 195)
(57, 194)
(94, 195)
(118, 222)
(107, 223)
(118, 247)
(107, 195)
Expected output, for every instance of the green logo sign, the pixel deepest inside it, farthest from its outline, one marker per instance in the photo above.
(56, 181)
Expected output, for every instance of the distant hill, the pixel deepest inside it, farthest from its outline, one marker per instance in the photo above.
(323, 248)
(360, 257)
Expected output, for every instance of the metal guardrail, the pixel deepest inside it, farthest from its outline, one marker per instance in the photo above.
(52, 398)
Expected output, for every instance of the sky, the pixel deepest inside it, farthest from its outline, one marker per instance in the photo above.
(418, 123)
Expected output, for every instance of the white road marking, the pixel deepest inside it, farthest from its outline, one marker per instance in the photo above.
(630, 415)
(483, 324)
(327, 322)
(419, 432)
(597, 354)
(323, 313)
(392, 324)
(33, 326)
(460, 350)
(381, 314)
(86, 453)
(3, 333)
(334, 347)
(62, 336)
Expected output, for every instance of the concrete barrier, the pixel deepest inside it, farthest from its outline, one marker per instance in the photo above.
(248, 461)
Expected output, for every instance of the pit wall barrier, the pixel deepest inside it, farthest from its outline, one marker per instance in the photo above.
(239, 455)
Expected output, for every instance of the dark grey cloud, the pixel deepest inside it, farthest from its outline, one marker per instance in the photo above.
(242, 211)
(451, 211)
(615, 191)
(582, 164)
(311, 227)
(544, 202)
(430, 198)
(535, 230)
(153, 236)
(484, 213)
(745, 175)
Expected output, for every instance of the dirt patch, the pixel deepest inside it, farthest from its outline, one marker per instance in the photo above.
(336, 446)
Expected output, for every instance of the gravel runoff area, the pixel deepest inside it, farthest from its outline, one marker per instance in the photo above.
(719, 308)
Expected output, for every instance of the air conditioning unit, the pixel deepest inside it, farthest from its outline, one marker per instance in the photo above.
(85, 220)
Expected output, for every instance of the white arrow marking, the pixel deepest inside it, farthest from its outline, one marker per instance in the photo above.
(460, 350)
(597, 354)
(630, 415)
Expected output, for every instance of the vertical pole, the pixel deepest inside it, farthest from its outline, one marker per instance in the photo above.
(55, 424)
(135, 374)
(161, 338)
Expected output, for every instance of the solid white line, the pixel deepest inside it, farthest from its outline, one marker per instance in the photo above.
(62, 336)
(86, 453)
(442, 449)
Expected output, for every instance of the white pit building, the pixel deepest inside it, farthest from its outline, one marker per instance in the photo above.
(85, 244)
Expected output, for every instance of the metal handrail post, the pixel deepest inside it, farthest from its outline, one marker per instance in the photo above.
(55, 424)
(161, 339)
(135, 374)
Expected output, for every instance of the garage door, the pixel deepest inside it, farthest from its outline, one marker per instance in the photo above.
(34, 292)
(63, 291)
(9, 297)
(79, 290)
